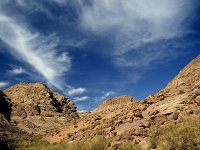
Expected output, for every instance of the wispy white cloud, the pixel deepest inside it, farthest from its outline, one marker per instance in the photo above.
(37, 50)
(104, 95)
(134, 24)
(79, 99)
(33, 6)
(3, 84)
(61, 1)
(107, 94)
(76, 91)
(17, 70)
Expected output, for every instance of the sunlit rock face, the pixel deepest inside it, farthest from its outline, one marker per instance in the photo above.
(35, 105)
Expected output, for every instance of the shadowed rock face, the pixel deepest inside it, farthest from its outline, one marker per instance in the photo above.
(34, 105)
(5, 116)
(5, 112)
(5, 106)
(4, 145)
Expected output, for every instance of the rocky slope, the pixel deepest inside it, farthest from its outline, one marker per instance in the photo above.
(181, 95)
(34, 108)
(111, 104)
(128, 120)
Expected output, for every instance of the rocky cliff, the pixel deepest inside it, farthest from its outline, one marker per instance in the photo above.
(181, 95)
(128, 120)
(35, 108)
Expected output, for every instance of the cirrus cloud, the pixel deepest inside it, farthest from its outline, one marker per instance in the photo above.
(79, 99)
(37, 50)
(76, 91)
(132, 25)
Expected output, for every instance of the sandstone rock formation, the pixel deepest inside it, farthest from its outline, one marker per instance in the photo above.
(121, 101)
(180, 97)
(35, 107)
(126, 119)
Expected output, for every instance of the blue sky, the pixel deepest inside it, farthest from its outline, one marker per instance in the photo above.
(91, 50)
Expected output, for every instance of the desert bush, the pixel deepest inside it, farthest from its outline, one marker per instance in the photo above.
(181, 91)
(98, 143)
(154, 136)
(24, 142)
(180, 136)
(145, 101)
(69, 135)
(35, 143)
(129, 147)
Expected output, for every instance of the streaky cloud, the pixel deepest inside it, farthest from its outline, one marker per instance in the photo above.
(134, 24)
(79, 99)
(107, 94)
(76, 91)
(17, 70)
(39, 51)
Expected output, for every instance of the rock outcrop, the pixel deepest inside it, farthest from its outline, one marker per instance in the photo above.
(35, 107)
(110, 104)
(180, 97)
(128, 120)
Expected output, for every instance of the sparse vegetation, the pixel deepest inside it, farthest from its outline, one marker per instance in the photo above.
(27, 143)
(181, 136)
(24, 142)
(145, 101)
(129, 147)
(96, 123)
(69, 135)
(35, 143)
(99, 131)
